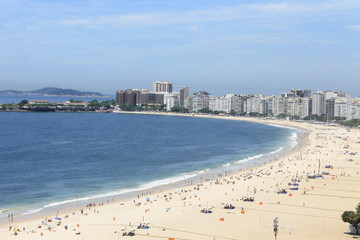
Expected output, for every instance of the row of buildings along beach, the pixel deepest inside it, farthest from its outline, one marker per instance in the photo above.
(295, 103)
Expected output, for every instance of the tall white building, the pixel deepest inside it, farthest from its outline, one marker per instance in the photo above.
(171, 100)
(292, 107)
(269, 105)
(305, 107)
(215, 103)
(279, 105)
(226, 103)
(353, 109)
(340, 107)
(319, 103)
(198, 101)
(254, 104)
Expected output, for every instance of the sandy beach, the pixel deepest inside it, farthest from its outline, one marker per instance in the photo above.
(306, 208)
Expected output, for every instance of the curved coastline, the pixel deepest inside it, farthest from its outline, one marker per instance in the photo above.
(312, 212)
(174, 182)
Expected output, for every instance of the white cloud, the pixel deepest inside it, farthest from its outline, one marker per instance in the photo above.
(6, 61)
(10, 25)
(215, 14)
(281, 7)
(75, 22)
(32, 27)
(354, 27)
(325, 41)
(292, 8)
(195, 28)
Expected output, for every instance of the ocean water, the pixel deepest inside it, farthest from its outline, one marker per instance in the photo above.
(53, 159)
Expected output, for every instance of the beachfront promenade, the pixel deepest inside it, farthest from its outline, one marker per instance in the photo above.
(306, 208)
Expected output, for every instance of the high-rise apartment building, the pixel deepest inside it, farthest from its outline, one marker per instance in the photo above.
(184, 96)
(306, 107)
(127, 97)
(199, 100)
(171, 100)
(162, 87)
(340, 107)
(146, 97)
(319, 103)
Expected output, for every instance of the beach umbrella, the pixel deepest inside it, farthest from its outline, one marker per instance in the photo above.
(57, 218)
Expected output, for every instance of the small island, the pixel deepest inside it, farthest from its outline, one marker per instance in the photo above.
(66, 106)
(53, 91)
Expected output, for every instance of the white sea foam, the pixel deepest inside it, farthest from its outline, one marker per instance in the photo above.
(281, 126)
(66, 202)
(250, 158)
(166, 181)
(243, 160)
(293, 139)
(203, 171)
(277, 150)
(4, 210)
(83, 199)
(33, 211)
(145, 186)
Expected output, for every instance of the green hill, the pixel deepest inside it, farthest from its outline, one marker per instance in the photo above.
(52, 91)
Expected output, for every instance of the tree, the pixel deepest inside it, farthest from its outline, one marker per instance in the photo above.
(351, 123)
(179, 109)
(106, 104)
(353, 218)
(216, 112)
(126, 107)
(281, 115)
(322, 118)
(253, 114)
(94, 104)
(22, 103)
(75, 101)
(311, 117)
(205, 110)
(232, 112)
(162, 107)
(339, 118)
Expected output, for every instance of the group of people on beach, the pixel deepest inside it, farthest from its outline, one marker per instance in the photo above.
(11, 217)
(274, 180)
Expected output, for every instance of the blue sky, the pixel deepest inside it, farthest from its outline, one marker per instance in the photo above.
(221, 46)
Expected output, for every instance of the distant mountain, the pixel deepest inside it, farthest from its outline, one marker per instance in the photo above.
(52, 91)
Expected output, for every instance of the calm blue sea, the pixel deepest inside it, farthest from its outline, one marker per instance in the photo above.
(48, 159)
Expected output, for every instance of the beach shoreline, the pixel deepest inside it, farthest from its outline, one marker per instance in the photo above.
(179, 181)
(308, 143)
